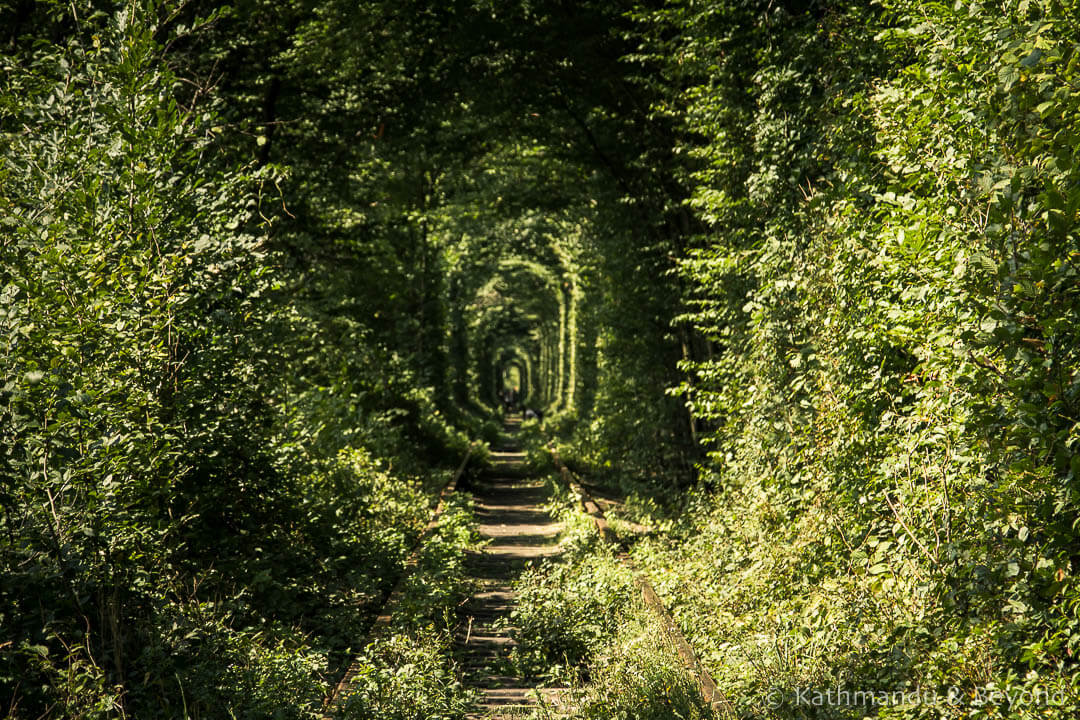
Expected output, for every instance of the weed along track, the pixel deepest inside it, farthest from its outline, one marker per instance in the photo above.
(710, 693)
(383, 624)
(510, 517)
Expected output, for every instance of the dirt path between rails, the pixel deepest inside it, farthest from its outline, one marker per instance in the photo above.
(509, 512)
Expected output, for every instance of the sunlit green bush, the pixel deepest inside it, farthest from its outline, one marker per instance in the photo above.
(886, 277)
(406, 677)
(567, 607)
(637, 675)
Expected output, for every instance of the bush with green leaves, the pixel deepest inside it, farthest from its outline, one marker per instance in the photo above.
(440, 581)
(407, 676)
(124, 252)
(409, 672)
(566, 608)
(580, 623)
(216, 668)
(197, 506)
(636, 674)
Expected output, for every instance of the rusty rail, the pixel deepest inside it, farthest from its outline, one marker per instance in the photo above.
(386, 614)
(706, 685)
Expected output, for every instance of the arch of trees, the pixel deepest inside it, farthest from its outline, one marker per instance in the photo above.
(520, 313)
(262, 262)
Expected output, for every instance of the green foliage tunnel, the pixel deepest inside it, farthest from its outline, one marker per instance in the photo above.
(800, 277)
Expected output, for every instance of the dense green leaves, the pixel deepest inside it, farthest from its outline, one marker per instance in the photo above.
(256, 262)
(193, 519)
(887, 289)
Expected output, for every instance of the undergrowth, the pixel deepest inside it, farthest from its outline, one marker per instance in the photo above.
(636, 674)
(409, 673)
(582, 625)
(783, 609)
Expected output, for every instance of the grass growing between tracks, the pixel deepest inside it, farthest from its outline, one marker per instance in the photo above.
(408, 673)
(635, 674)
(581, 624)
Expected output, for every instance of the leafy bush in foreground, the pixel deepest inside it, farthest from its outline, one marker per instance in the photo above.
(568, 606)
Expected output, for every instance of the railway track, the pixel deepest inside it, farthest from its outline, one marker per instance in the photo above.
(508, 506)
(510, 517)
